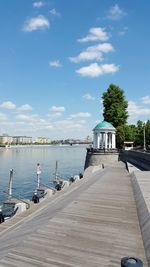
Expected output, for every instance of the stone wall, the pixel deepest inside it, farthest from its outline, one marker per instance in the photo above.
(100, 159)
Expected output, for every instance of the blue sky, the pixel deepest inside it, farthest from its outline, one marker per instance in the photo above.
(58, 57)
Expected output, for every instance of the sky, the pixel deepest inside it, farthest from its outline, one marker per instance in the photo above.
(57, 58)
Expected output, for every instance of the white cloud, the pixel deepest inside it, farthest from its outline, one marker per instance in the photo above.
(38, 4)
(37, 23)
(137, 111)
(123, 31)
(115, 13)
(94, 52)
(29, 118)
(88, 97)
(68, 126)
(82, 121)
(57, 109)
(34, 125)
(146, 99)
(31, 123)
(23, 117)
(55, 63)
(81, 115)
(25, 107)
(49, 127)
(95, 34)
(95, 70)
(54, 12)
(3, 117)
(55, 115)
(8, 105)
(101, 100)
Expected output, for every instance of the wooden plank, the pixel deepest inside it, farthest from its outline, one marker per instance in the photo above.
(97, 227)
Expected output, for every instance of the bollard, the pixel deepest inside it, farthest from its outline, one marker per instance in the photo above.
(131, 262)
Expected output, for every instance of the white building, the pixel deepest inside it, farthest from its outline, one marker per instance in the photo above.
(42, 140)
(22, 140)
(128, 145)
(104, 136)
(6, 140)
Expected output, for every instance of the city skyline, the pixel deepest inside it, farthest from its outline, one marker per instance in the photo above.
(57, 59)
(7, 140)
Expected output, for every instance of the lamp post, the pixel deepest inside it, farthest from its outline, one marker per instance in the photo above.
(144, 136)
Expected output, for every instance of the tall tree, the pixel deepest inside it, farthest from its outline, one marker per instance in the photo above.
(139, 140)
(130, 132)
(125, 133)
(120, 136)
(147, 133)
(115, 106)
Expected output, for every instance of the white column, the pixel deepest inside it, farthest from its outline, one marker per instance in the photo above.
(106, 136)
(110, 140)
(98, 139)
(113, 140)
(94, 140)
(102, 140)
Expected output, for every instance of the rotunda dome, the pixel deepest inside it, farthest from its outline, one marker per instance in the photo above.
(104, 125)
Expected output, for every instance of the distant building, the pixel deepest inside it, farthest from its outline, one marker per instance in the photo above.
(6, 140)
(128, 145)
(42, 140)
(87, 140)
(20, 140)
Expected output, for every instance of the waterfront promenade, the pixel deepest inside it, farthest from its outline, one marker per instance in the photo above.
(92, 223)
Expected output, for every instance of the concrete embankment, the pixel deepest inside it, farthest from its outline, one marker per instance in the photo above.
(92, 223)
(100, 158)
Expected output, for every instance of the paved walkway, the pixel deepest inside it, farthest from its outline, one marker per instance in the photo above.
(92, 223)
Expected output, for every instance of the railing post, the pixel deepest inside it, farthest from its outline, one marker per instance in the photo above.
(10, 183)
(131, 262)
(144, 138)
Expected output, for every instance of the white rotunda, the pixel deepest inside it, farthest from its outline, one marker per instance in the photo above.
(104, 136)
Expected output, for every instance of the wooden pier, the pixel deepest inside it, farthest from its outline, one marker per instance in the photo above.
(93, 223)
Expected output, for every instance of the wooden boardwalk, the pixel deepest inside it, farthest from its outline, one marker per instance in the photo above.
(93, 223)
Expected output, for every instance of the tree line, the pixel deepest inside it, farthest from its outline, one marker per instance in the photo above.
(115, 111)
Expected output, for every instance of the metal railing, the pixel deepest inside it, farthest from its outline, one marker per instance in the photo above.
(102, 150)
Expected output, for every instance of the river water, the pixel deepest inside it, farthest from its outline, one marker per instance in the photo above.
(23, 161)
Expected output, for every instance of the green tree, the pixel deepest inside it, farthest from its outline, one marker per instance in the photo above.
(125, 133)
(115, 106)
(139, 139)
(147, 134)
(120, 136)
(130, 132)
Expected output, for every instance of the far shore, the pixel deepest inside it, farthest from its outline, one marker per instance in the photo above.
(39, 145)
